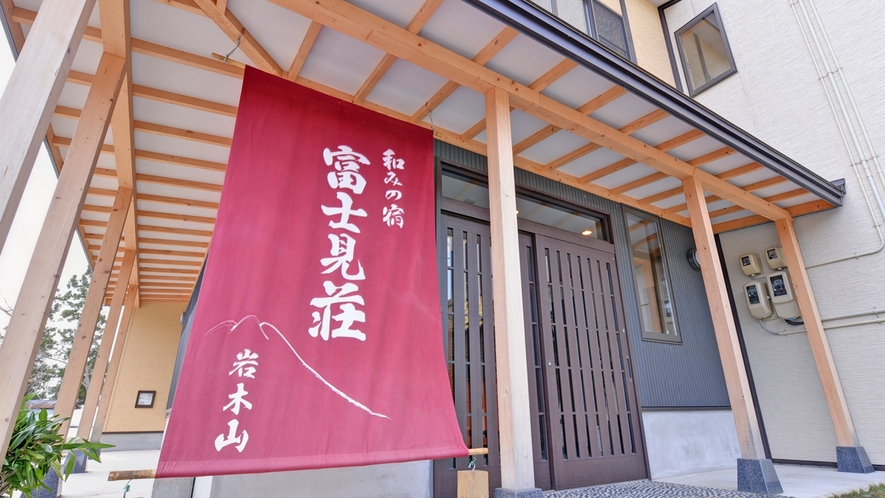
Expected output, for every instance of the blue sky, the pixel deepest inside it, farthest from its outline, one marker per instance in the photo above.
(16, 254)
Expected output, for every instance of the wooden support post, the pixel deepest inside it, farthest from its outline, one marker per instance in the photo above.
(736, 381)
(473, 484)
(820, 347)
(101, 274)
(514, 422)
(104, 350)
(32, 95)
(110, 382)
(29, 317)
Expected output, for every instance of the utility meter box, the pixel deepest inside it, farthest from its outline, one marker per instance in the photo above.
(775, 258)
(781, 292)
(756, 294)
(751, 265)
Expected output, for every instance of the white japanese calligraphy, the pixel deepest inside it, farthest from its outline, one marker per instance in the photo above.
(391, 162)
(245, 364)
(347, 179)
(393, 215)
(238, 399)
(232, 438)
(342, 251)
(344, 159)
(391, 179)
(344, 298)
(345, 212)
(393, 195)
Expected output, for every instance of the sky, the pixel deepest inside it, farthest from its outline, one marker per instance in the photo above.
(16, 254)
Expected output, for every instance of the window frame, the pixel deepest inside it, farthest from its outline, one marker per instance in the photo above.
(686, 72)
(590, 17)
(667, 338)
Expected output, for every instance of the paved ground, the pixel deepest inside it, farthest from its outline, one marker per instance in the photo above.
(798, 482)
(645, 489)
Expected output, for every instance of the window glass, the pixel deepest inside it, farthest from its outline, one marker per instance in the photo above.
(593, 19)
(706, 57)
(656, 309)
(610, 28)
(475, 192)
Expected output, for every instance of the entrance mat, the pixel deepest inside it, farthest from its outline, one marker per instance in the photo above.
(649, 489)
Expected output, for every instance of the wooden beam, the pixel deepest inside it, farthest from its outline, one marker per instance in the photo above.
(154, 156)
(175, 230)
(234, 29)
(146, 270)
(157, 129)
(597, 102)
(25, 329)
(558, 71)
(514, 422)
(306, 44)
(30, 96)
(101, 417)
(75, 367)
(736, 380)
(384, 35)
(817, 336)
(712, 156)
(639, 183)
(104, 349)
(632, 127)
(488, 51)
(165, 199)
(175, 182)
(418, 20)
(797, 210)
(176, 216)
(742, 170)
(168, 252)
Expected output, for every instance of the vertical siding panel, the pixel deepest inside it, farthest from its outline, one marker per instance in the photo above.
(669, 375)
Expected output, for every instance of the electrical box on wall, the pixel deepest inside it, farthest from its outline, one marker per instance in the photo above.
(751, 265)
(781, 292)
(756, 294)
(775, 258)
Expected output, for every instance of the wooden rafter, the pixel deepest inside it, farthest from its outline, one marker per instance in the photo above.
(654, 177)
(418, 21)
(306, 44)
(632, 127)
(490, 50)
(234, 29)
(797, 210)
(597, 102)
(156, 156)
(539, 84)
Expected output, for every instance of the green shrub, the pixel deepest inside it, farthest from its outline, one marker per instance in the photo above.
(36, 447)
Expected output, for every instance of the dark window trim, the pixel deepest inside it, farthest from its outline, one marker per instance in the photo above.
(713, 9)
(153, 398)
(605, 244)
(666, 29)
(590, 54)
(676, 339)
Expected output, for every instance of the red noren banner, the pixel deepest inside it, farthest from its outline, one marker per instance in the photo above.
(317, 339)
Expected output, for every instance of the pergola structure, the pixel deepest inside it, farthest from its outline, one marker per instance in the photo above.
(500, 78)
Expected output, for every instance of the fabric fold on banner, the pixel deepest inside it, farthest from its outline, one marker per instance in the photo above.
(316, 337)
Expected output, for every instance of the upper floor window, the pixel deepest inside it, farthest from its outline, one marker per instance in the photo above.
(593, 18)
(706, 57)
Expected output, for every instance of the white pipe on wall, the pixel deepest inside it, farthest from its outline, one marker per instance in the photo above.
(827, 75)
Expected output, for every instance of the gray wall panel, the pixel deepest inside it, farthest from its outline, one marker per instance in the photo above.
(669, 375)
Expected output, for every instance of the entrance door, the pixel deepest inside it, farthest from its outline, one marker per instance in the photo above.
(468, 323)
(589, 388)
(582, 396)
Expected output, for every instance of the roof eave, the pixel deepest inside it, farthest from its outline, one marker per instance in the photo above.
(552, 33)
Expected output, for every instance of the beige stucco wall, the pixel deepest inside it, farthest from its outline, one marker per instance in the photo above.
(146, 365)
(648, 39)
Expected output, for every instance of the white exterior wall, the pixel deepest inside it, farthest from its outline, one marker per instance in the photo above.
(777, 97)
(682, 442)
